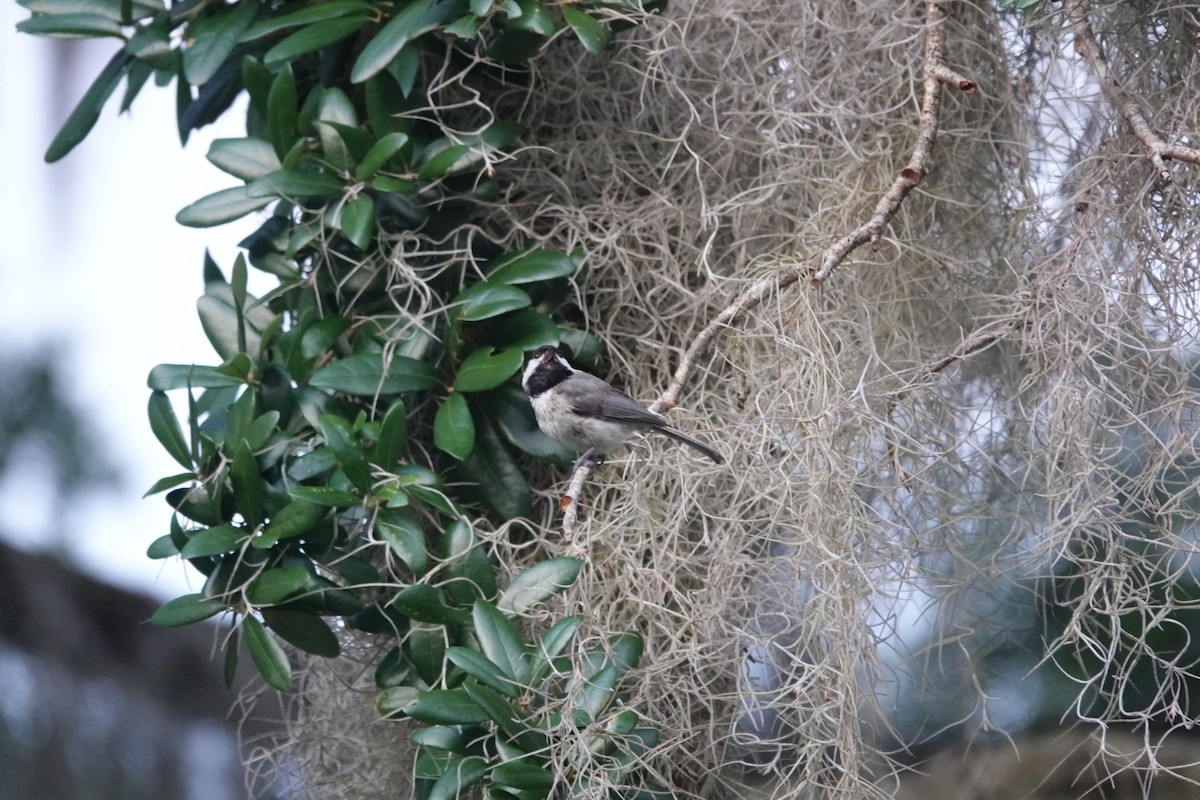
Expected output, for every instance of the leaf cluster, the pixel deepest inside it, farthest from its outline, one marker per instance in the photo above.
(363, 416)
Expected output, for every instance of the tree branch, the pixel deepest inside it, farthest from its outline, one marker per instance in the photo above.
(1088, 46)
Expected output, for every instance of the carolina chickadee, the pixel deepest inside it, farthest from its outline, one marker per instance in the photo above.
(585, 413)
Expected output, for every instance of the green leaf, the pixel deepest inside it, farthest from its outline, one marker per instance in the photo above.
(282, 112)
(453, 427)
(365, 375)
(267, 655)
(590, 32)
(450, 738)
(314, 37)
(533, 265)
(533, 18)
(450, 159)
(424, 603)
(213, 541)
(293, 184)
(177, 376)
(169, 482)
(246, 158)
(248, 488)
(380, 153)
(468, 569)
(446, 707)
(466, 27)
(276, 585)
(357, 221)
(553, 642)
(425, 649)
(498, 709)
(166, 429)
(333, 9)
(326, 496)
(340, 440)
(459, 776)
(485, 369)
(522, 330)
(71, 26)
(213, 39)
(185, 610)
(482, 669)
(162, 547)
(308, 632)
(392, 446)
(294, 519)
(485, 300)
(497, 474)
(405, 537)
(524, 776)
(81, 120)
(220, 207)
(417, 18)
(499, 640)
(396, 700)
(539, 583)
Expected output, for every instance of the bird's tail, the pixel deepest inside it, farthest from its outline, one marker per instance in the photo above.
(690, 442)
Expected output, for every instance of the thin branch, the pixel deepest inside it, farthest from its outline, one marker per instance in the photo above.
(1158, 149)
(569, 504)
(936, 73)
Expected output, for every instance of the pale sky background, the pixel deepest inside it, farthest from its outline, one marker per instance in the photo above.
(91, 257)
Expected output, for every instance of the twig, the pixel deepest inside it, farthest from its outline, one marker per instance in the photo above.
(1158, 149)
(569, 504)
(936, 73)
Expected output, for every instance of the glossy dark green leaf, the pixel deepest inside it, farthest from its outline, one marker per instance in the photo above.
(314, 37)
(466, 27)
(139, 73)
(85, 114)
(380, 153)
(481, 8)
(497, 474)
(357, 221)
(425, 649)
(185, 610)
(282, 112)
(276, 585)
(515, 46)
(259, 432)
(590, 32)
(469, 571)
(533, 265)
(424, 603)
(538, 584)
(405, 537)
(499, 640)
(498, 708)
(178, 376)
(226, 325)
(267, 655)
(552, 644)
(485, 300)
(450, 159)
(418, 17)
(307, 632)
(71, 25)
(162, 547)
(533, 18)
(365, 375)
(523, 330)
(392, 447)
(332, 9)
(169, 482)
(482, 669)
(340, 440)
(396, 700)
(459, 776)
(247, 484)
(486, 369)
(326, 496)
(453, 427)
(244, 158)
(446, 707)
(523, 775)
(110, 9)
(293, 184)
(166, 429)
(220, 207)
(213, 541)
(451, 738)
(213, 38)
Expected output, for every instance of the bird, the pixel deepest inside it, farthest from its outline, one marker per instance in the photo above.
(586, 413)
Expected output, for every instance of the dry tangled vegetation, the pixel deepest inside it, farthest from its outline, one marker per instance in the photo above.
(997, 391)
